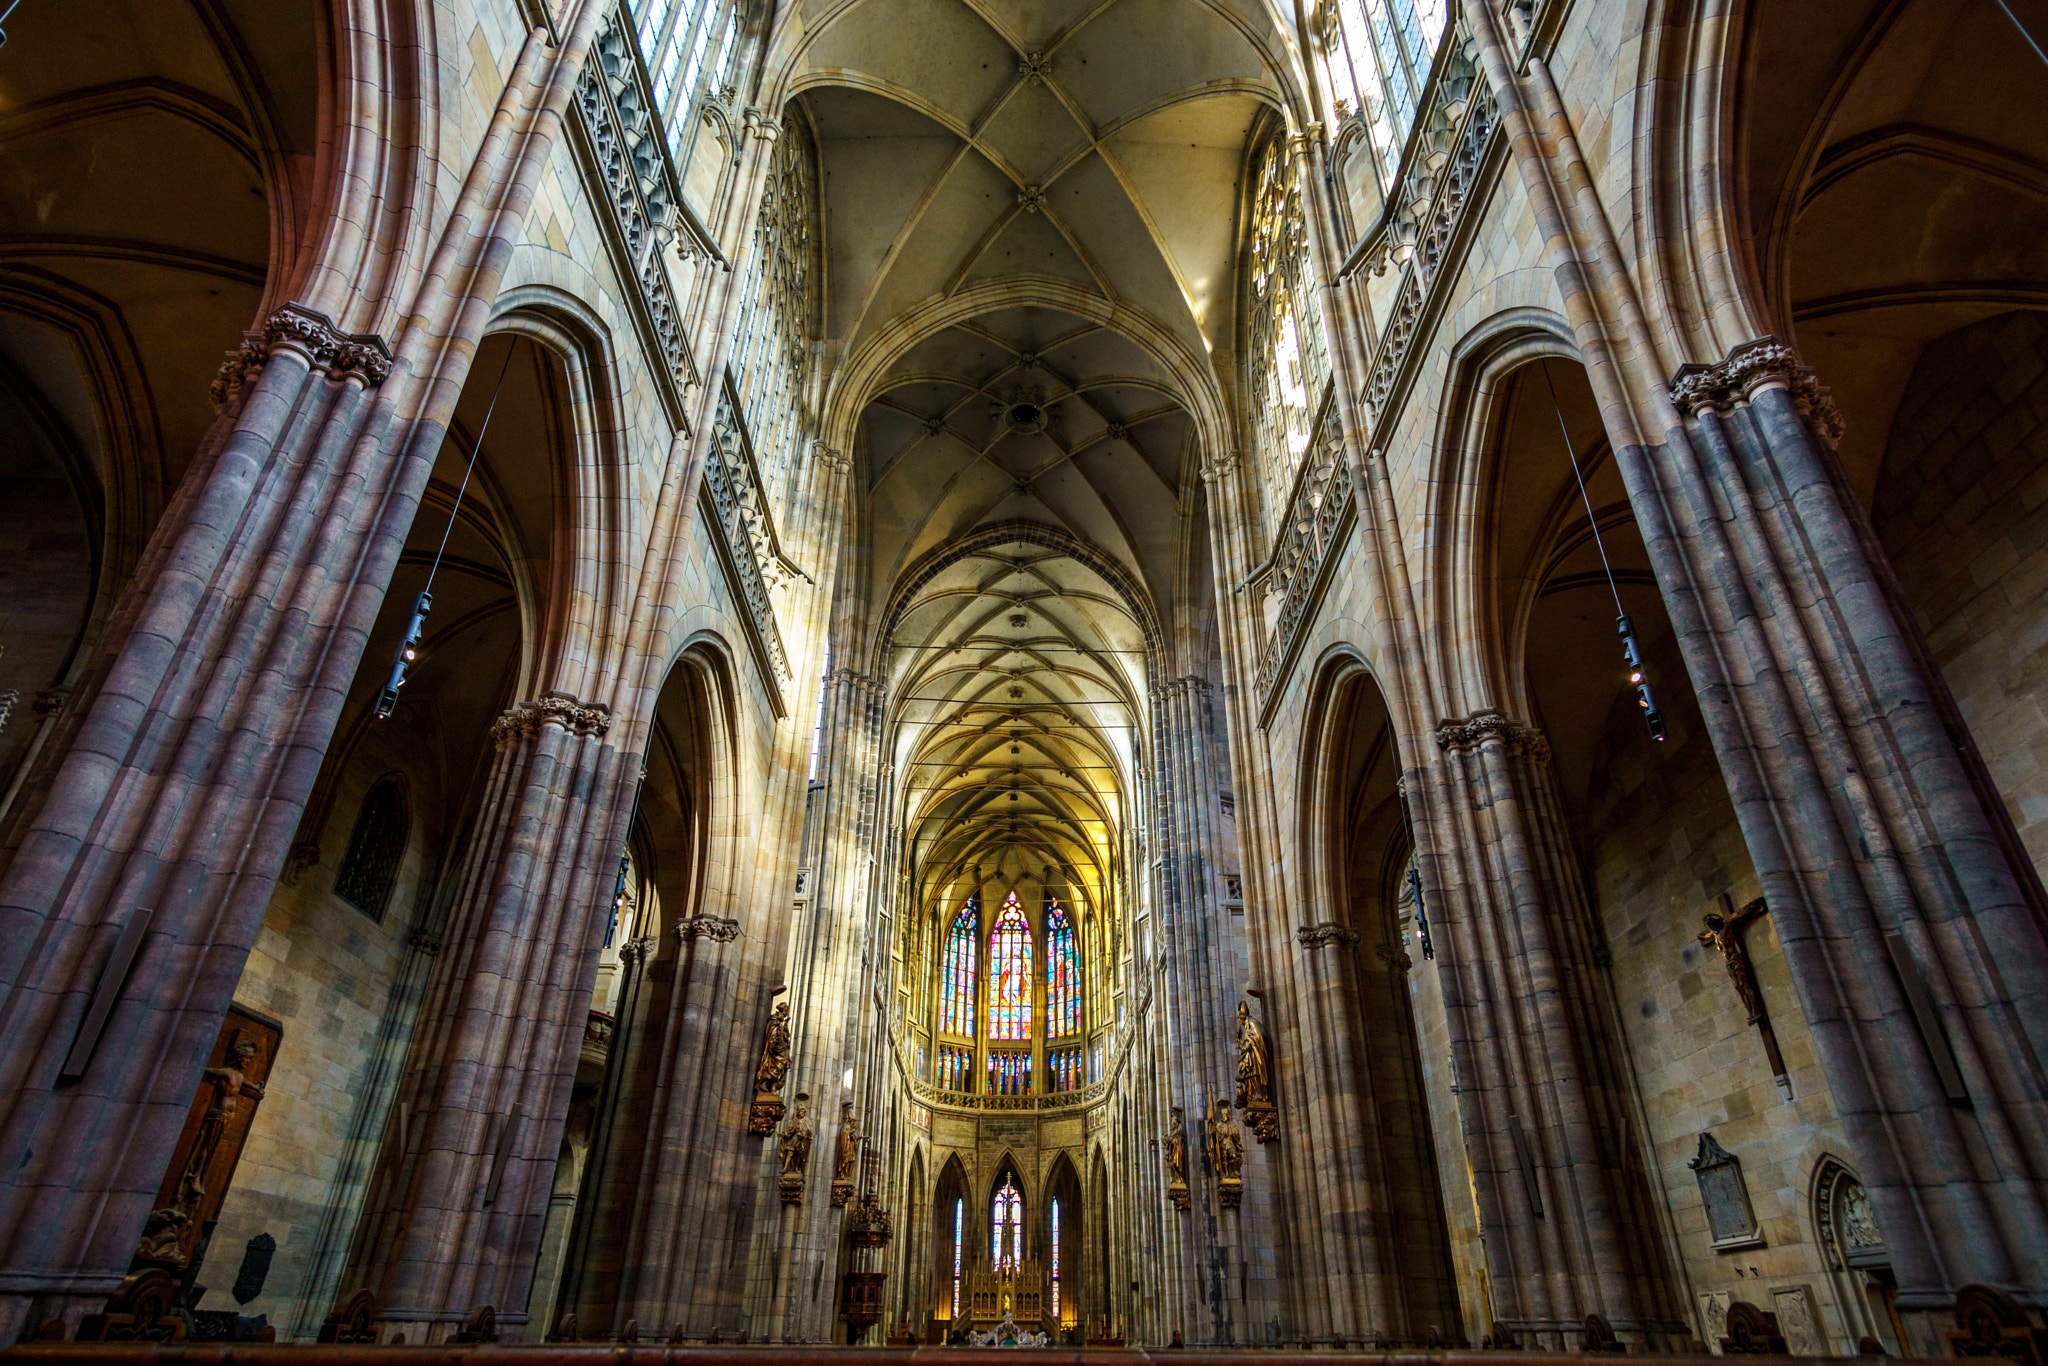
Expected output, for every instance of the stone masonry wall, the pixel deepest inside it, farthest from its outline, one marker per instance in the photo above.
(1962, 510)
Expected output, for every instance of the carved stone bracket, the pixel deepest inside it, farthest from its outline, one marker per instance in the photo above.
(1264, 1121)
(1490, 727)
(312, 336)
(638, 950)
(708, 927)
(1747, 369)
(423, 942)
(1320, 936)
(550, 708)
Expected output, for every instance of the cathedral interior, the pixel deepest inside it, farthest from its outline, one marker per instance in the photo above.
(1261, 674)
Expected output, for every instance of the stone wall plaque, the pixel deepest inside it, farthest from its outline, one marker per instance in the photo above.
(1714, 1315)
(1730, 1220)
(1797, 1320)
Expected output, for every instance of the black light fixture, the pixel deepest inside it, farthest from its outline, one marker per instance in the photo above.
(409, 648)
(1631, 654)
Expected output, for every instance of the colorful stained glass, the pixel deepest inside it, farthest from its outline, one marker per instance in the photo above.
(1009, 973)
(956, 971)
(1006, 1227)
(1063, 1069)
(959, 1241)
(1055, 1257)
(1062, 973)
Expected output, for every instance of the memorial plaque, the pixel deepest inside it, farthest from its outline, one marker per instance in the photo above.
(1725, 1196)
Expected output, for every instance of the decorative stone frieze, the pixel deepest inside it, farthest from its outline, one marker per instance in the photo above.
(641, 189)
(315, 338)
(1322, 936)
(742, 514)
(550, 708)
(708, 927)
(1319, 513)
(1422, 231)
(1748, 368)
(1480, 728)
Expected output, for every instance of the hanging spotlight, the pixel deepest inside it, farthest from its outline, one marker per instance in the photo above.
(408, 650)
(1638, 679)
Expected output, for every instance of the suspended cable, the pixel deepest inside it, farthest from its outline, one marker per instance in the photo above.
(2001, 4)
(1631, 653)
(408, 648)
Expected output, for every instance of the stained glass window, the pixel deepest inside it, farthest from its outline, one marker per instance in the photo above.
(1055, 1257)
(1009, 972)
(1062, 973)
(1286, 364)
(1063, 1069)
(959, 1241)
(956, 972)
(1009, 1074)
(1006, 1227)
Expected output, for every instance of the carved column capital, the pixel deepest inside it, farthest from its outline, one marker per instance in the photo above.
(312, 336)
(708, 927)
(1751, 367)
(1484, 727)
(550, 708)
(1314, 937)
(831, 457)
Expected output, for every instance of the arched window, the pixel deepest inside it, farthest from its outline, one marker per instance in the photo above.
(1062, 974)
(370, 866)
(1006, 1227)
(1286, 364)
(956, 972)
(1009, 973)
(1055, 1254)
(959, 1241)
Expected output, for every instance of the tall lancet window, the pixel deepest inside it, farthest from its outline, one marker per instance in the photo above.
(1054, 1250)
(1286, 362)
(956, 971)
(1006, 1227)
(959, 1235)
(1062, 973)
(1009, 973)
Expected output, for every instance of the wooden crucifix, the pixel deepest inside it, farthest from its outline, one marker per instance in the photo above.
(1723, 934)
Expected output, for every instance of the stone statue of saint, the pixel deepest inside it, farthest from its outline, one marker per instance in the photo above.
(849, 1144)
(1723, 934)
(1176, 1143)
(774, 1066)
(1254, 1084)
(1226, 1145)
(796, 1138)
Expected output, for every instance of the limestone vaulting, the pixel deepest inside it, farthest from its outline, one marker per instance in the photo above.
(1357, 674)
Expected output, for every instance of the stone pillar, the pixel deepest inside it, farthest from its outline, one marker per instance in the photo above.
(1906, 908)
(1565, 1205)
(488, 1084)
(671, 1207)
(161, 808)
(175, 778)
(1203, 972)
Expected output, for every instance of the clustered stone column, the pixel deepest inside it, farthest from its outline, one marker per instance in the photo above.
(1564, 1202)
(1905, 906)
(487, 1087)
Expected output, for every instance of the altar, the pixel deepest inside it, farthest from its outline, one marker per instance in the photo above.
(997, 1293)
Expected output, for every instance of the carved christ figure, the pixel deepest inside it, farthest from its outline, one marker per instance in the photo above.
(1177, 1150)
(230, 1083)
(774, 1066)
(849, 1144)
(796, 1139)
(1254, 1083)
(1723, 934)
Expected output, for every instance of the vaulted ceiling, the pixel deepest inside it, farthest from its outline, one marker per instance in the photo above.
(1031, 224)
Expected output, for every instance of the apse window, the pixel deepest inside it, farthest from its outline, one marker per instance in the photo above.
(370, 867)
